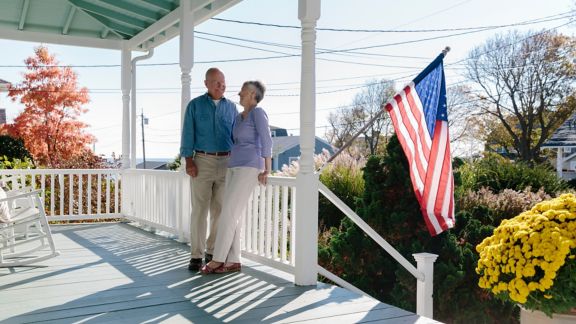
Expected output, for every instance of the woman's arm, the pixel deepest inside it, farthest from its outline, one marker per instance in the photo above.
(263, 129)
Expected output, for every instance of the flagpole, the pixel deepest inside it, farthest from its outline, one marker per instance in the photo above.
(370, 122)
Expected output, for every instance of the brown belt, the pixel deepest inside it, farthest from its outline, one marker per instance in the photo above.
(213, 153)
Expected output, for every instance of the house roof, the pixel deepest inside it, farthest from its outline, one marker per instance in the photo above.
(284, 143)
(564, 136)
(150, 165)
(4, 85)
(101, 23)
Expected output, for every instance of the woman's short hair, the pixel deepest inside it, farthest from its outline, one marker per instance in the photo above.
(259, 89)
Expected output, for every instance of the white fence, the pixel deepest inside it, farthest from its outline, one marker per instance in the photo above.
(72, 194)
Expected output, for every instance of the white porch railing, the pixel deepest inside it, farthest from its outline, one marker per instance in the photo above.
(425, 261)
(269, 232)
(161, 200)
(72, 194)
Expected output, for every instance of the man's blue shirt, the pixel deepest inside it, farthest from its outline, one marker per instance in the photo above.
(207, 127)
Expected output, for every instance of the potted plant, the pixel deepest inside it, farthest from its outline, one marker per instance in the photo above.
(530, 260)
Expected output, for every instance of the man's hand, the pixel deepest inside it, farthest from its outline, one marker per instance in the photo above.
(191, 168)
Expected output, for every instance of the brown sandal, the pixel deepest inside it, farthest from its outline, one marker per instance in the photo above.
(235, 267)
(208, 270)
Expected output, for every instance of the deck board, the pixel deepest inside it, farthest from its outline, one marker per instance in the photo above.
(116, 273)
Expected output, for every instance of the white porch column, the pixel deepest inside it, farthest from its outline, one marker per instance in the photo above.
(186, 63)
(559, 161)
(186, 53)
(125, 85)
(306, 243)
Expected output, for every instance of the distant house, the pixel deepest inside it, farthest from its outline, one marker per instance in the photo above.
(564, 142)
(4, 87)
(286, 149)
(153, 165)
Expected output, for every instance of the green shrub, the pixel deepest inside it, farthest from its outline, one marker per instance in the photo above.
(343, 176)
(15, 163)
(498, 173)
(13, 148)
(391, 209)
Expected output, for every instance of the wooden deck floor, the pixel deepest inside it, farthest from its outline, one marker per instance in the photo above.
(116, 273)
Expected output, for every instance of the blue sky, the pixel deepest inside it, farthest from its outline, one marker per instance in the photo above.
(159, 94)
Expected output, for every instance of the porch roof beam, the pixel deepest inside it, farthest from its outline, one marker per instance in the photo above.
(23, 14)
(161, 4)
(143, 13)
(69, 18)
(61, 39)
(109, 14)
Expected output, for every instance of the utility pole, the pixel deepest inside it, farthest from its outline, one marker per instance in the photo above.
(144, 122)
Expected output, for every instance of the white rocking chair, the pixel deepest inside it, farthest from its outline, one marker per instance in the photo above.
(25, 237)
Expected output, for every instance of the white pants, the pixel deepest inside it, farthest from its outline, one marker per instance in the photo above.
(240, 183)
(207, 193)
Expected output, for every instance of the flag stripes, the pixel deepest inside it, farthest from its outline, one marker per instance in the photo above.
(428, 154)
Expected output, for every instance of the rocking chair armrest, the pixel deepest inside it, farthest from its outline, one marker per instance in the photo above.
(21, 195)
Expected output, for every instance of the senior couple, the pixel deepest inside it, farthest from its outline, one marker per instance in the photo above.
(227, 154)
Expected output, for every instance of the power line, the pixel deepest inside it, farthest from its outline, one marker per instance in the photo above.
(539, 20)
(323, 51)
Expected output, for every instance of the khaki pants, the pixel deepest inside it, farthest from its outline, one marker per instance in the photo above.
(207, 194)
(240, 183)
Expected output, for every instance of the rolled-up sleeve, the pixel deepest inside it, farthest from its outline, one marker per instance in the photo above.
(263, 129)
(187, 140)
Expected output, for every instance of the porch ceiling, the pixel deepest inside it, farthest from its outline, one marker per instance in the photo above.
(143, 24)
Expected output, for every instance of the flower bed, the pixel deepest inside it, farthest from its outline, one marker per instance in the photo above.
(530, 259)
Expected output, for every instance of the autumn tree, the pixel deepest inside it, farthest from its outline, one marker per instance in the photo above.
(524, 81)
(52, 102)
(347, 121)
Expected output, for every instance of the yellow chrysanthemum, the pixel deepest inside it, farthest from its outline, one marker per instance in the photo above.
(525, 253)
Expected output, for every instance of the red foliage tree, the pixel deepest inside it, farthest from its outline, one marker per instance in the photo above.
(53, 102)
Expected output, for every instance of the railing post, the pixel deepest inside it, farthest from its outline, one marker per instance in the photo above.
(306, 236)
(424, 289)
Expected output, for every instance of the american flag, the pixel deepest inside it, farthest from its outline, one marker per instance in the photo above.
(420, 120)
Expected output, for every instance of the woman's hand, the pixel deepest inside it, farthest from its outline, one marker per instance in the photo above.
(262, 177)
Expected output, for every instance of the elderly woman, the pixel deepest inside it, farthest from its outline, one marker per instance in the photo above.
(250, 163)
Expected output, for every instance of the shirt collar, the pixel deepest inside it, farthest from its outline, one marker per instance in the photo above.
(210, 98)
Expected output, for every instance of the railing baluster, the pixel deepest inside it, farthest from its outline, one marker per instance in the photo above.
(275, 222)
(284, 224)
(61, 193)
(248, 228)
(43, 187)
(107, 179)
(116, 192)
(268, 221)
(99, 194)
(71, 194)
(80, 190)
(261, 221)
(293, 235)
(256, 195)
(52, 194)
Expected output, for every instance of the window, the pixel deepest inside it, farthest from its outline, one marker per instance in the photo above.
(292, 159)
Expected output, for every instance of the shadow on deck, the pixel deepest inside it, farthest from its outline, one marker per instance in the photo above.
(116, 273)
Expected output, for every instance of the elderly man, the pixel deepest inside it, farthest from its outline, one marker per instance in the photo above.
(206, 143)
